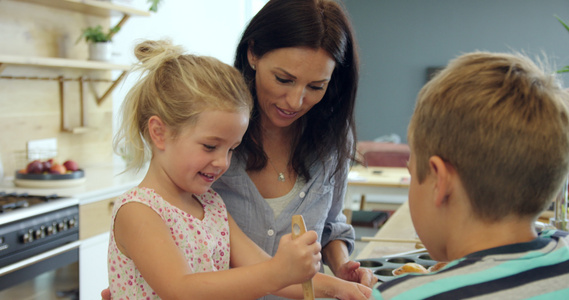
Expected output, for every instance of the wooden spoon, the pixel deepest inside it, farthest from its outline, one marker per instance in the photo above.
(299, 228)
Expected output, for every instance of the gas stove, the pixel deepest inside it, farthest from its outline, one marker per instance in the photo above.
(18, 206)
(37, 233)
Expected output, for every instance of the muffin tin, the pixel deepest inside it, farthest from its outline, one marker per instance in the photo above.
(383, 267)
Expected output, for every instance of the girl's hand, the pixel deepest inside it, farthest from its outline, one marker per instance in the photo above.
(351, 271)
(106, 294)
(299, 259)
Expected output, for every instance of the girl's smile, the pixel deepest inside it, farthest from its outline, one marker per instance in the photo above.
(201, 153)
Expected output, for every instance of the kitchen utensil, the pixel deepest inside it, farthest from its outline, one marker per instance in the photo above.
(418, 243)
(299, 228)
(374, 239)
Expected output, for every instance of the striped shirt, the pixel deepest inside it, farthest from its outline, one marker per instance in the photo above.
(534, 270)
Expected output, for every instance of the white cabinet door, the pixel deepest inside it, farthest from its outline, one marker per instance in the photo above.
(93, 276)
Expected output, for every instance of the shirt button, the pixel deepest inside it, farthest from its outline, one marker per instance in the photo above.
(302, 194)
(270, 232)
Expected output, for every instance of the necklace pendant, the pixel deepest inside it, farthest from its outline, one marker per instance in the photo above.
(281, 177)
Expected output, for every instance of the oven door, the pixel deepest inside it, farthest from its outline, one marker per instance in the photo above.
(29, 268)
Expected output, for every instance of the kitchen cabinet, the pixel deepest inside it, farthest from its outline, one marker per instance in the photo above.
(93, 276)
(95, 222)
(95, 218)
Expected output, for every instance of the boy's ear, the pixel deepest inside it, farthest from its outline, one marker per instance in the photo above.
(157, 131)
(441, 171)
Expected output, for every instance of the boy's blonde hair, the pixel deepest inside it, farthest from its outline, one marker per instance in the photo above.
(502, 123)
(176, 88)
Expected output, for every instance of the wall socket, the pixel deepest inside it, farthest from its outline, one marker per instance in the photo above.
(42, 149)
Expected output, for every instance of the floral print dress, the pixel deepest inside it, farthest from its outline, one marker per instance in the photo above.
(205, 243)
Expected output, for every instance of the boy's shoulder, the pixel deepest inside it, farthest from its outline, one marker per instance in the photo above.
(503, 269)
(554, 234)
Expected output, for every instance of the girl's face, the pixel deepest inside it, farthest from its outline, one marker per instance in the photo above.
(201, 153)
(289, 82)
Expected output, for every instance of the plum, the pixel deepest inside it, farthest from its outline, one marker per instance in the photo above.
(71, 165)
(35, 167)
(47, 164)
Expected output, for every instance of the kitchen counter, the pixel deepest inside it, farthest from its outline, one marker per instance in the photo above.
(95, 196)
(102, 182)
(399, 227)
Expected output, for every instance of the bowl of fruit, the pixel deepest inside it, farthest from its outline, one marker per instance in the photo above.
(50, 174)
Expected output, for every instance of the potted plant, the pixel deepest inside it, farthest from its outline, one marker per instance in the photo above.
(99, 41)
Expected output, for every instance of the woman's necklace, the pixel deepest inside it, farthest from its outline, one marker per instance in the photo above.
(281, 177)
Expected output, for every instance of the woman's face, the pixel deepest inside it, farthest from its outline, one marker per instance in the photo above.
(289, 82)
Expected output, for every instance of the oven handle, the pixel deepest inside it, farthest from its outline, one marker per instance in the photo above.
(35, 259)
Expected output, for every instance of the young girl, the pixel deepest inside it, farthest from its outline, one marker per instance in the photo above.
(171, 233)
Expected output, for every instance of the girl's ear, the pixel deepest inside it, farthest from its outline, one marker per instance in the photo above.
(442, 172)
(157, 131)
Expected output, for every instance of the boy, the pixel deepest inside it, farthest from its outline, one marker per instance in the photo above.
(489, 151)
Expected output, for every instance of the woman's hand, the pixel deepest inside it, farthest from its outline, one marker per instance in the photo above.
(351, 271)
(353, 291)
(326, 286)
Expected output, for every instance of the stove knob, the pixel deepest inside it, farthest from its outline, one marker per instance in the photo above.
(39, 233)
(50, 230)
(28, 237)
(71, 223)
(61, 226)
(25, 238)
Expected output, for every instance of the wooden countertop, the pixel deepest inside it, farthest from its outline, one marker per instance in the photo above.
(398, 226)
(379, 176)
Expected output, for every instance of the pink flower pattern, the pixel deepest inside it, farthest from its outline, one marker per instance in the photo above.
(205, 243)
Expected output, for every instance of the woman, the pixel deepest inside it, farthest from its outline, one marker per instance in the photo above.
(300, 61)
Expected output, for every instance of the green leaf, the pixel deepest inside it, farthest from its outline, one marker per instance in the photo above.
(96, 34)
(562, 23)
(563, 70)
(154, 5)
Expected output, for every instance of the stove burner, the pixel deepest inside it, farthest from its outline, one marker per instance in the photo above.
(12, 201)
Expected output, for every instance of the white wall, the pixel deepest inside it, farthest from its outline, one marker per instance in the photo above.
(211, 27)
(399, 40)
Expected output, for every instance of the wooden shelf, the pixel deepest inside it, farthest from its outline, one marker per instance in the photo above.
(49, 62)
(58, 63)
(104, 9)
(92, 7)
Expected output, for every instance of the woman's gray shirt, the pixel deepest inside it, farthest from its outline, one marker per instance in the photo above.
(320, 202)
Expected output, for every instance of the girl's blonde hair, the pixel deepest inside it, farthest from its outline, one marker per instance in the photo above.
(176, 88)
